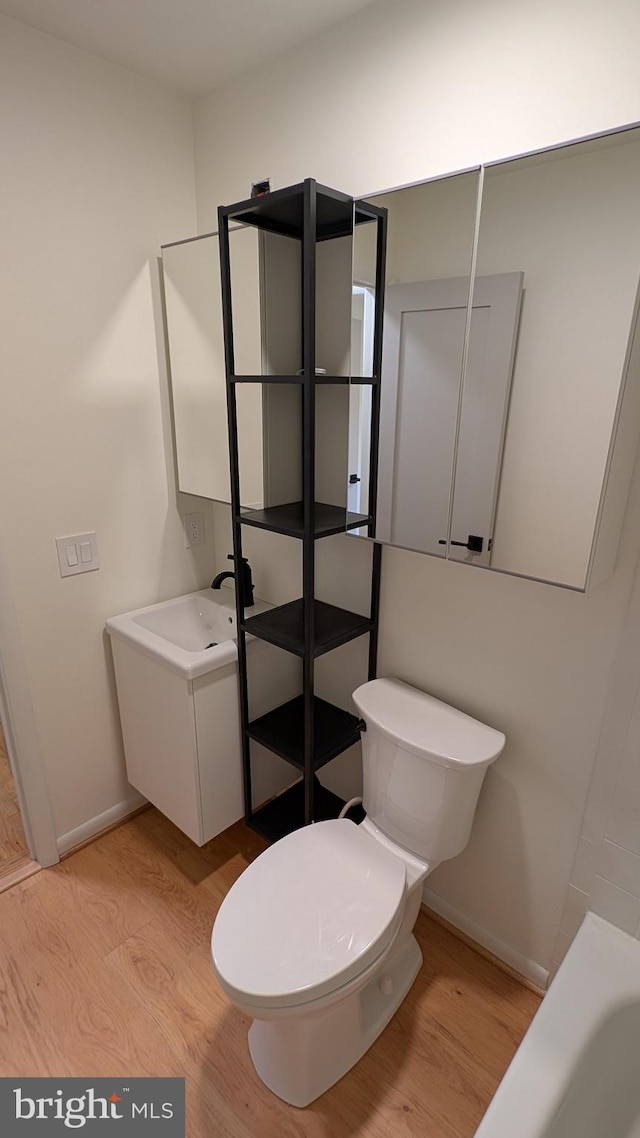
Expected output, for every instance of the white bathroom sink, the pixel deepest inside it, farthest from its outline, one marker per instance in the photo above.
(192, 634)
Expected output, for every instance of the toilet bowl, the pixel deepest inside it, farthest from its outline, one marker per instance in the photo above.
(314, 941)
(308, 944)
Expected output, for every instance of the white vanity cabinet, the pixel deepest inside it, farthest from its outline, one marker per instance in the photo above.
(182, 742)
(180, 717)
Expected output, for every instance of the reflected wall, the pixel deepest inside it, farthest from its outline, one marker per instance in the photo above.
(502, 402)
(569, 219)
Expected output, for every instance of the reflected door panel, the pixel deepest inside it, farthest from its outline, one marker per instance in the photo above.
(422, 363)
(483, 414)
(193, 314)
(193, 318)
(428, 267)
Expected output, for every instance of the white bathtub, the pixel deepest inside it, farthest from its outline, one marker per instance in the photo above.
(576, 1073)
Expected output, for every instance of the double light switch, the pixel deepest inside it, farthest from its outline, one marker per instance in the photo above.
(77, 554)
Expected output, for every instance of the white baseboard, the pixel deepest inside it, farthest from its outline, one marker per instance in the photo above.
(527, 968)
(95, 826)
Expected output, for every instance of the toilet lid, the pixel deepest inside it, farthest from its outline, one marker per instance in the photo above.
(312, 912)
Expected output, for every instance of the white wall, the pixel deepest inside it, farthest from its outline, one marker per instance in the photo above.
(409, 89)
(606, 872)
(405, 91)
(97, 171)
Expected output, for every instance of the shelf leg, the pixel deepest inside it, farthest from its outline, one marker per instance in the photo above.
(308, 483)
(234, 472)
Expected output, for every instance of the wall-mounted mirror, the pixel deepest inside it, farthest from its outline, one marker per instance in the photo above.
(503, 392)
(499, 416)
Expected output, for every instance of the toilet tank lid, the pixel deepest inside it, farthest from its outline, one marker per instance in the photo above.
(426, 726)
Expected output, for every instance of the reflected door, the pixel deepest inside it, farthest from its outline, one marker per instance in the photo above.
(420, 437)
(422, 364)
(483, 415)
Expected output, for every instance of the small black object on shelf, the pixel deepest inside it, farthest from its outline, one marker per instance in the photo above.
(260, 188)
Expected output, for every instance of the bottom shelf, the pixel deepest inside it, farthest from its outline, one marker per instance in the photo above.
(285, 813)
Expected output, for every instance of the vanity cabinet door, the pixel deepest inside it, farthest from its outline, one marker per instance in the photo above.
(159, 735)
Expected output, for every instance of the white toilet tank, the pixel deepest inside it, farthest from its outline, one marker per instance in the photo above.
(423, 766)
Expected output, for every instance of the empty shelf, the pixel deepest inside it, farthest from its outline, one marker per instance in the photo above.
(282, 731)
(299, 379)
(289, 519)
(282, 211)
(284, 626)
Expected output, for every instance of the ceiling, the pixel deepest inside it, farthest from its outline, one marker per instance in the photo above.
(193, 45)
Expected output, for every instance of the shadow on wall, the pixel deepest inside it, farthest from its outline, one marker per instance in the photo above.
(506, 909)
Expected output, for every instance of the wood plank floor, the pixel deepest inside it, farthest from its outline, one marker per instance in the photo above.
(14, 850)
(104, 971)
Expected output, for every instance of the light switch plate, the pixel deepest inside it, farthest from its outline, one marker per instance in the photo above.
(77, 554)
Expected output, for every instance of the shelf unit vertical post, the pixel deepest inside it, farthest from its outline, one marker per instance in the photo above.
(308, 481)
(306, 730)
(234, 476)
(376, 556)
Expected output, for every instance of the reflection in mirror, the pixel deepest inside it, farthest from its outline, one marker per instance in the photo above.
(266, 290)
(363, 297)
(193, 309)
(483, 413)
(269, 328)
(429, 253)
(363, 307)
(568, 221)
(245, 260)
(193, 314)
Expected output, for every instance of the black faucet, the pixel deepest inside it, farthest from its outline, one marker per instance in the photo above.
(246, 582)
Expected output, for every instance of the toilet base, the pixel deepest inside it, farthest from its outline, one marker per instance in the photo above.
(301, 1056)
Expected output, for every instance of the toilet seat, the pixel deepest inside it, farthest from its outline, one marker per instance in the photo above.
(312, 912)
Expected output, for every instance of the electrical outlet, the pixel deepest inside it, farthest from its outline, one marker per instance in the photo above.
(194, 529)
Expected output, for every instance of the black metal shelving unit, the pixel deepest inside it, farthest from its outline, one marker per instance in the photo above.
(305, 731)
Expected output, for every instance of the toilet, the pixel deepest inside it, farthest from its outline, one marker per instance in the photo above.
(314, 941)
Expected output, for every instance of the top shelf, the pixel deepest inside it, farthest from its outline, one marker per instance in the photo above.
(370, 380)
(282, 211)
(289, 519)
